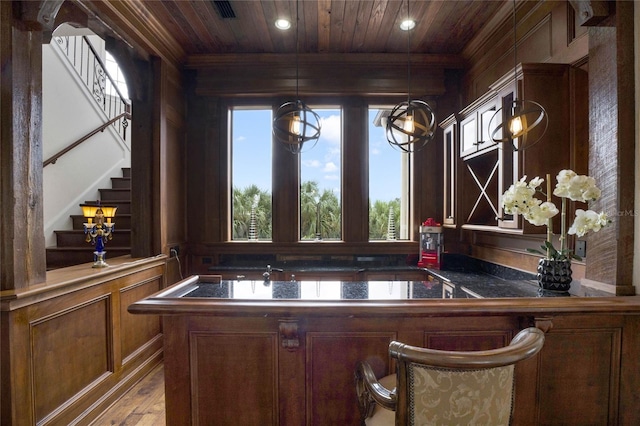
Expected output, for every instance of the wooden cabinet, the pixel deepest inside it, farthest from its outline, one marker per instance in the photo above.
(489, 168)
(450, 161)
(292, 362)
(475, 132)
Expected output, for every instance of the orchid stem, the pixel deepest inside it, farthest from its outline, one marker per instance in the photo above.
(549, 221)
(563, 225)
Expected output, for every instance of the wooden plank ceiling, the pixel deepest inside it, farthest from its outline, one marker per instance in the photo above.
(325, 26)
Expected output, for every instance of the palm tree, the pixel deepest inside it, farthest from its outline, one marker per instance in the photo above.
(309, 191)
(379, 214)
(244, 202)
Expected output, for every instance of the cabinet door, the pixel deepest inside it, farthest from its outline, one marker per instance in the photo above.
(488, 121)
(468, 135)
(450, 160)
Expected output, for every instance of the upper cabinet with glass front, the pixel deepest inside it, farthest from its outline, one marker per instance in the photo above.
(450, 136)
(487, 168)
(475, 119)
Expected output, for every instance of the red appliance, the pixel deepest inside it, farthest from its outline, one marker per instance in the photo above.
(431, 244)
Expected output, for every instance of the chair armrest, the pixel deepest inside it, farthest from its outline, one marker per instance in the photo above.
(370, 392)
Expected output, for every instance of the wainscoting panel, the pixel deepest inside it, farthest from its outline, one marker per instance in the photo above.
(68, 337)
(136, 330)
(70, 353)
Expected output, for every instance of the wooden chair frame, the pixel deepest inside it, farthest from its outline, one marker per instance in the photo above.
(526, 344)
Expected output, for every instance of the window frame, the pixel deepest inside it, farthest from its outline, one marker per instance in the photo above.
(354, 187)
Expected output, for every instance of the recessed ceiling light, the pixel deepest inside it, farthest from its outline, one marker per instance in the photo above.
(407, 24)
(283, 24)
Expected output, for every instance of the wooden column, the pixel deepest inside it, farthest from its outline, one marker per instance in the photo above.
(145, 151)
(611, 149)
(286, 192)
(355, 172)
(22, 247)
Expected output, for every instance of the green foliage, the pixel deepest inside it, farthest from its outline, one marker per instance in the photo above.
(330, 226)
(554, 254)
(379, 218)
(242, 203)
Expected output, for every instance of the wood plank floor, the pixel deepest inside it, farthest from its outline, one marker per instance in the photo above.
(142, 405)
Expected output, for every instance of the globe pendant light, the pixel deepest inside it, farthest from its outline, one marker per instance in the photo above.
(295, 124)
(411, 124)
(524, 115)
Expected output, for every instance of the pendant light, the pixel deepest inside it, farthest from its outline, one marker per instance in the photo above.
(411, 124)
(524, 115)
(295, 124)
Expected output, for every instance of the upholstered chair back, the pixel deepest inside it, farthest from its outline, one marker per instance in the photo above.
(435, 387)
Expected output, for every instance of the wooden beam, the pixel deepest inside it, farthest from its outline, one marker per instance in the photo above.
(590, 12)
(22, 251)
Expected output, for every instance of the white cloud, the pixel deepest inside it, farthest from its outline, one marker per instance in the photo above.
(311, 163)
(241, 138)
(331, 177)
(331, 129)
(375, 151)
(330, 167)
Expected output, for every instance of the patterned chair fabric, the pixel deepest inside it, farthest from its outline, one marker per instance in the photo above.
(475, 397)
(433, 387)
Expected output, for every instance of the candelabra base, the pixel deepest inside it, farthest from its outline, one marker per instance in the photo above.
(98, 257)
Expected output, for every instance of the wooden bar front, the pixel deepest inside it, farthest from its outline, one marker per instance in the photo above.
(230, 362)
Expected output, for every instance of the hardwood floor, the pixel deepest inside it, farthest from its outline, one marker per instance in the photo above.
(143, 405)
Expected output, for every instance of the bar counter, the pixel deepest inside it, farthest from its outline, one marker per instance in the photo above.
(290, 347)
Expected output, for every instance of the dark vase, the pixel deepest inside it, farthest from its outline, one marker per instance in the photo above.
(554, 275)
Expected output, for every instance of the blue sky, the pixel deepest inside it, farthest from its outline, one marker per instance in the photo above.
(252, 154)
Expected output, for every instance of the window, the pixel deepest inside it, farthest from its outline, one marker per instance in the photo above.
(251, 174)
(114, 71)
(323, 173)
(389, 183)
(320, 177)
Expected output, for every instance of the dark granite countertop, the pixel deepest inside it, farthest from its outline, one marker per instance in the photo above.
(481, 284)
(455, 285)
(461, 277)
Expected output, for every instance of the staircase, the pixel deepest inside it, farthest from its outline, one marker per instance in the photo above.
(71, 247)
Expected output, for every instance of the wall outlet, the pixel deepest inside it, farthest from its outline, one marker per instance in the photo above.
(174, 251)
(581, 248)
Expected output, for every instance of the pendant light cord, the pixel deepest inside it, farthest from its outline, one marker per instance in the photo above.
(408, 60)
(297, 48)
(515, 54)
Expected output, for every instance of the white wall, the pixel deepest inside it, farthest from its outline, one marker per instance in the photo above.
(70, 112)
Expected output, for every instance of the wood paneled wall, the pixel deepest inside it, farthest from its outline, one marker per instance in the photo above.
(612, 148)
(70, 348)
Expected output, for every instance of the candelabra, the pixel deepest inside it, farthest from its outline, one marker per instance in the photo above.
(99, 229)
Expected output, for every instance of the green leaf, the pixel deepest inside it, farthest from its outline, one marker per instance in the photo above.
(530, 250)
